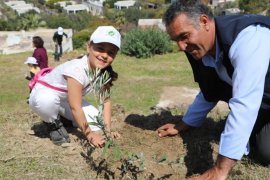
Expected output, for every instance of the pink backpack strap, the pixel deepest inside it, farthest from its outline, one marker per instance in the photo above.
(52, 87)
(39, 74)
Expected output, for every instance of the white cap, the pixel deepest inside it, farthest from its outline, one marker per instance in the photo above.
(31, 60)
(60, 31)
(106, 34)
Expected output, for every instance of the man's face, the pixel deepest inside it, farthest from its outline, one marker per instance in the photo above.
(196, 41)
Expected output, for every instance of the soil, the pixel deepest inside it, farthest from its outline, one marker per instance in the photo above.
(143, 154)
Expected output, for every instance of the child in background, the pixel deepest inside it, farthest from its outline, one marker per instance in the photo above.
(33, 67)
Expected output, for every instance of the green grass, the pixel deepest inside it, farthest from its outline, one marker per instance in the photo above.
(14, 89)
(137, 88)
(141, 81)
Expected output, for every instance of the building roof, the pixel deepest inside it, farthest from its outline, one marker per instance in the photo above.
(21, 7)
(12, 3)
(64, 3)
(76, 7)
(125, 3)
(95, 3)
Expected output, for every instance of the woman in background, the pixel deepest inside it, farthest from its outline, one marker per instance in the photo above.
(40, 52)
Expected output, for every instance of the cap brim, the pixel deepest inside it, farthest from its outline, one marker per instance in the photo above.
(27, 62)
(108, 40)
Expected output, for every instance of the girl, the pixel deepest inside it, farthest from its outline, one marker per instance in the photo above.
(66, 85)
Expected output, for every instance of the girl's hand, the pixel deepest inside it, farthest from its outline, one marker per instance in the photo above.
(96, 139)
(115, 135)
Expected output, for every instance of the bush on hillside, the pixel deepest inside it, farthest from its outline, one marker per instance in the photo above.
(50, 3)
(54, 21)
(109, 3)
(76, 22)
(146, 43)
(80, 39)
(132, 15)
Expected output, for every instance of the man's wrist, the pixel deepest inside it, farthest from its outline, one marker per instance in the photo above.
(86, 131)
(224, 164)
(181, 126)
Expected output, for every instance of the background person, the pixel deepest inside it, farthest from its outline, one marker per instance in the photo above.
(58, 38)
(33, 67)
(40, 52)
(229, 56)
(64, 88)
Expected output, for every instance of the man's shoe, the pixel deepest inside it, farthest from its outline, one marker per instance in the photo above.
(58, 133)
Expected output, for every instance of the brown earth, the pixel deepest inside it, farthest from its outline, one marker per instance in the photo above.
(143, 154)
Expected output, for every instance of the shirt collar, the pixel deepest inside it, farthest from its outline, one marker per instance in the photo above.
(209, 60)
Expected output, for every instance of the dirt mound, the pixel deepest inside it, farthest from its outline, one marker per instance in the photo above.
(181, 97)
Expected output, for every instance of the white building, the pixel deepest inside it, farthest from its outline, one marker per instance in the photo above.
(12, 3)
(76, 8)
(65, 3)
(124, 4)
(231, 11)
(215, 3)
(21, 7)
(95, 6)
(148, 23)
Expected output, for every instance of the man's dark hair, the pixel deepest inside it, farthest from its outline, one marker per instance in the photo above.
(191, 8)
(38, 42)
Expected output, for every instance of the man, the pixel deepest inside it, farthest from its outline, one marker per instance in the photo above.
(58, 38)
(229, 56)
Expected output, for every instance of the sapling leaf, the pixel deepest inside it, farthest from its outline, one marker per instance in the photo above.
(117, 153)
(106, 147)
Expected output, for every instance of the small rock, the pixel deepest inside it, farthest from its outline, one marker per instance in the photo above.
(66, 145)
(30, 132)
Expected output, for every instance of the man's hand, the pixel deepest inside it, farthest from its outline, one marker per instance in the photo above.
(96, 139)
(167, 130)
(219, 172)
(171, 129)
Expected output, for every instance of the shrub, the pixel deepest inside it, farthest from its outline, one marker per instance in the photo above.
(132, 15)
(3, 25)
(50, 3)
(77, 21)
(56, 20)
(146, 43)
(80, 38)
(109, 3)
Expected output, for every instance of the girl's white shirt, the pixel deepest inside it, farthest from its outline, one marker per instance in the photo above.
(75, 69)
